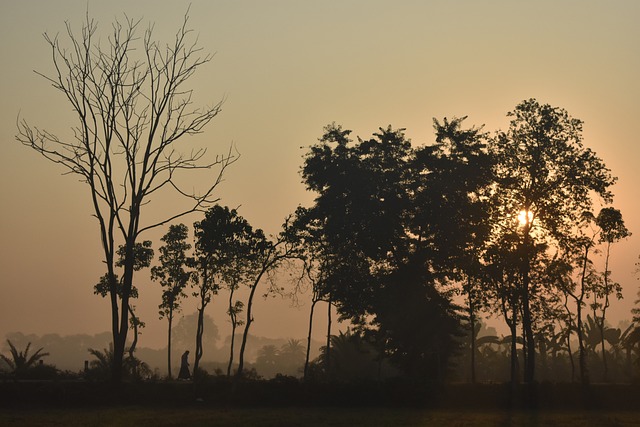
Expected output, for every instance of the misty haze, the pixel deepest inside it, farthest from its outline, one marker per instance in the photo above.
(320, 213)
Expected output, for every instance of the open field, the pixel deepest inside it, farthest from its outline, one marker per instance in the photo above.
(265, 403)
(296, 416)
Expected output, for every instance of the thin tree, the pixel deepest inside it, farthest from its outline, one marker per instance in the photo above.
(268, 255)
(143, 254)
(612, 229)
(224, 243)
(548, 178)
(173, 276)
(133, 109)
(579, 249)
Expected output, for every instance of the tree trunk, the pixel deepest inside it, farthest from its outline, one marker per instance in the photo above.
(527, 326)
(604, 311)
(530, 358)
(170, 317)
(582, 360)
(199, 333)
(513, 327)
(327, 361)
(573, 365)
(472, 321)
(132, 348)
(306, 359)
(234, 322)
(245, 335)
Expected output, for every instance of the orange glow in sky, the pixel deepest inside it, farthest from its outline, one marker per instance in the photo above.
(286, 69)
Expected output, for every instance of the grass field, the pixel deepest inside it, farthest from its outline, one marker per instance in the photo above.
(269, 403)
(283, 416)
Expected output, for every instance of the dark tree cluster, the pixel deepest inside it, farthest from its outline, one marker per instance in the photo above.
(413, 244)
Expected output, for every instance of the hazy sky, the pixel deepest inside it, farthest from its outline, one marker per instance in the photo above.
(287, 68)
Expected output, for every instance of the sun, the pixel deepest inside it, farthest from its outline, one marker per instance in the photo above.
(525, 217)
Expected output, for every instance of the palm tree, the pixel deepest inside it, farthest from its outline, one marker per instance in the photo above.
(132, 366)
(20, 361)
(292, 356)
(267, 360)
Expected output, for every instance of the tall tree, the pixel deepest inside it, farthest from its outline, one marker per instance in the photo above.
(576, 278)
(133, 107)
(143, 254)
(612, 229)
(224, 256)
(173, 276)
(266, 255)
(547, 177)
(463, 158)
(396, 222)
(307, 232)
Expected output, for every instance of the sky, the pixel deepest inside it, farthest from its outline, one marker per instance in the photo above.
(285, 70)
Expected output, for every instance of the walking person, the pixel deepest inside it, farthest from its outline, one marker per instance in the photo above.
(184, 373)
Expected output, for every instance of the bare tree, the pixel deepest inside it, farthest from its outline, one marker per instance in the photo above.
(133, 108)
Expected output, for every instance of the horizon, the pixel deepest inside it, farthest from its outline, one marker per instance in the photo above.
(284, 76)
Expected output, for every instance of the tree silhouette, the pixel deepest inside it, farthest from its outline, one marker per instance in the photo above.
(307, 234)
(612, 229)
(545, 171)
(143, 254)
(267, 254)
(20, 361)
(102, 365)
(224, 257)
(173, 276)
(133, 110)
(396, 224)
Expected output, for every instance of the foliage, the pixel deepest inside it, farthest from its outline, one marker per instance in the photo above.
(224, 256)
(394, 224)
(133, 109)
(101, 367)
(543, 170)
(20, 363)
(173, 276)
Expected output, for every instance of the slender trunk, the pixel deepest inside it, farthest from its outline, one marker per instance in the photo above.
(270, 260)
(472, 321)
(120, 338)
(582, 359)
(527, 322)
(234, 322)
(127, 284)
(200, 327)
(569, 327)
(233, 339)
(514, 349)
(132, 349)
(245, 335)
(525, 354)
(573, 365)
(530, 355)
(604, 311)
(604, 352)
(306, 359)
(327, 361)
(170, 318)
(199, 334)
(116, 369)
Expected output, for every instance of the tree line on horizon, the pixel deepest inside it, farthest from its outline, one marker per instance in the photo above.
(509, 220)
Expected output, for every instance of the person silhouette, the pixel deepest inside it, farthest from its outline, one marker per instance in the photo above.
(184, 373)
